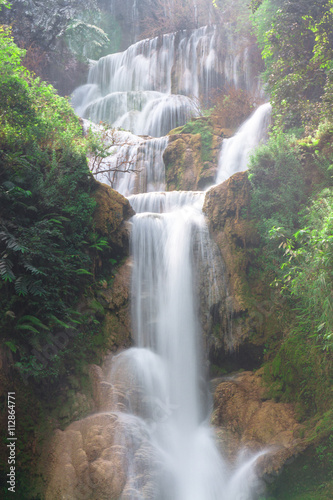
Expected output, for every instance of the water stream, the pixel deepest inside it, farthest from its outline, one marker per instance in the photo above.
(236, 150)
(151, 88)
(169, 239)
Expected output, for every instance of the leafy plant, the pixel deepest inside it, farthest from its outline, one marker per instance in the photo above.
(46, 210)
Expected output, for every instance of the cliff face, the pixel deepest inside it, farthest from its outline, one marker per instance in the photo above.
(244, 417)
(39, 26)
(227, 207)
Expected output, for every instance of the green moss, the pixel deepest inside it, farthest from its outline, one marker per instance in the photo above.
(203, 127)
(309, 477)
(301, 373)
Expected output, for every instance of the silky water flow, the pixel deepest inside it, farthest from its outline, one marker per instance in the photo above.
(167, 367)
(169, 240)
(160, 385)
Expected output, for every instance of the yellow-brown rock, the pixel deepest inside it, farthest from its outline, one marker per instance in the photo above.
(115, 300)
(228, 209)
(227, 206)
(191, 156)
(244, 418)
(111, 213)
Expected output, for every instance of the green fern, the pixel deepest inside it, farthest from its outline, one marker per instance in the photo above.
(6, 267)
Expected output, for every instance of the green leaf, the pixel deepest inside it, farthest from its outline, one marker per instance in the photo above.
(83, 272)
(11, 346)
(33, 320)
(27, 327)
(59, 322)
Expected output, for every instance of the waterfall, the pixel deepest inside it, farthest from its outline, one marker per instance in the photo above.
(155, 84)
(159, 386)
(236, 150)
(163, 378)
(166, 383)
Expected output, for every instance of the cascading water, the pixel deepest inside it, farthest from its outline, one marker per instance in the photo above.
(235, 151)
(166, 387)
(154, 85)
(133, 164)
(159, 387)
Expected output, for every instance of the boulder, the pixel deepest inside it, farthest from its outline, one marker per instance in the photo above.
(110, 217)
(246, 419)
(191, 156)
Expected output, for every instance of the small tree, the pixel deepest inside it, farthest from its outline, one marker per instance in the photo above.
(103, 145)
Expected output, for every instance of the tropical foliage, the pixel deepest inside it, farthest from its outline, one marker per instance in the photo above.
(46, 223)
(291, 178)
(296, 38)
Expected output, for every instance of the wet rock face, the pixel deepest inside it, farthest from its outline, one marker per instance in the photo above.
(191, 156)
(94, 458)
(88, 461)
(115, 300)
(244, 418)
(111, 213)
(227, 207)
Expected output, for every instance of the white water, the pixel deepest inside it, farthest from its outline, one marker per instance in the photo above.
(163, 378)
(160, 385)
(154, 85)
(134, 164)
(162, 381)
(235, 151)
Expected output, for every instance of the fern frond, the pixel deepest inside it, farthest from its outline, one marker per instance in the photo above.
(6, 267)
(21, 285)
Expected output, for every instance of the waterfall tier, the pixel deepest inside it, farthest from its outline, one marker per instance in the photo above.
(155, 85)
(235, 151)
(164, 377)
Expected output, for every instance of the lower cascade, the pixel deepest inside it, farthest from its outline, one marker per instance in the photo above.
(152, 438)
(167, 381)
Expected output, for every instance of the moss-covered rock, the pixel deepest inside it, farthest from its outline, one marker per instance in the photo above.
(227, 207)
(192, 155)
(112, 211)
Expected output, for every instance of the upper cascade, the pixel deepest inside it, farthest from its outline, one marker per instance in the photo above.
(236, 150)
(155, 85)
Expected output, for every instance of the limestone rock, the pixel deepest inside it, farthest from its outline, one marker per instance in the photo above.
(118, 295)
(228, 209)
(191, 156)
(111, 214)
(92, 458)
(244, 418)
(115, 299)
